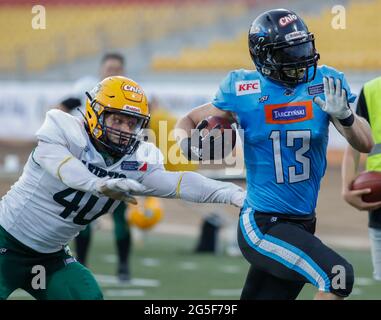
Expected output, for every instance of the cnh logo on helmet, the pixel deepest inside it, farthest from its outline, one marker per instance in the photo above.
(121, 96)
(133, 93)
(284, 21)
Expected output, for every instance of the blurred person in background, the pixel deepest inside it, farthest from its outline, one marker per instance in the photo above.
(369, 108)
(112, 64)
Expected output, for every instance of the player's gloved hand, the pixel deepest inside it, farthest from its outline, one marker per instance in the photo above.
(336, 103)
(238, 198)
(200, 145)
(119, 189)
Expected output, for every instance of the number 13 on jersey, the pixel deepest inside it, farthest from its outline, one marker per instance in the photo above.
(300, 157)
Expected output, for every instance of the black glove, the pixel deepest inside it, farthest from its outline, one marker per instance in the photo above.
(71, 103)
(201, 146)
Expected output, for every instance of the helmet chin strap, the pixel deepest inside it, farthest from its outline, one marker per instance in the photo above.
(103, 148)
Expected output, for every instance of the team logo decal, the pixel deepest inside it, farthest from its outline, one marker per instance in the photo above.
(316, 89)
(247, 87)
(289, 92)
(284, 21)
(263, 98)
(132, 93)
(137, 90)
(289, 112)
(134, 166)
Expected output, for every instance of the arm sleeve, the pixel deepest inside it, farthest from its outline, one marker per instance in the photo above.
(60, 163)
(189, 186)
(225, 98)
(362, 109)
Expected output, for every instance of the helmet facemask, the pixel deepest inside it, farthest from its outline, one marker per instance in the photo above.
(287, 62)
(294, 63)
(115, 141)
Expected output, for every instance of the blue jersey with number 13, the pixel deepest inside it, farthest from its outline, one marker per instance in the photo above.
(285, 138)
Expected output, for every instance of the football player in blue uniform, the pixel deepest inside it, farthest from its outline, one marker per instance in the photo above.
(285, 108)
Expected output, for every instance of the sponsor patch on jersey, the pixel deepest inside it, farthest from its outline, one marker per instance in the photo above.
(134, 166)
(284, 21)
(247, 87)
(289, 112)
(316, 89)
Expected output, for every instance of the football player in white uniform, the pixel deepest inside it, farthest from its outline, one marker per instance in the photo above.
(80, 170)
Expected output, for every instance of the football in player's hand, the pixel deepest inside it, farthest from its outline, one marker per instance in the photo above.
(371, 180)
(222, 136)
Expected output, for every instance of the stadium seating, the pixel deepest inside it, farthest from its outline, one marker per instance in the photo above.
(355, 47)
(80, 30)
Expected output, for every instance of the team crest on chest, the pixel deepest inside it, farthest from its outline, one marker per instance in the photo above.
(284, 113)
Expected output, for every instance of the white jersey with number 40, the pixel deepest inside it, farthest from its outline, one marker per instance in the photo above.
(45, 214)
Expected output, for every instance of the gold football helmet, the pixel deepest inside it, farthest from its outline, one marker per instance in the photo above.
(117, 95)
(147, 215)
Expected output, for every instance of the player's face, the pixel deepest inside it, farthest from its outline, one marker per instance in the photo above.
(295, 73)
(111, 67)
(120, 123)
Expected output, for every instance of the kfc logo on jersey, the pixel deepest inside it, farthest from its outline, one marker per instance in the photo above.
(288, 112)
(284, 21)
(247, 87)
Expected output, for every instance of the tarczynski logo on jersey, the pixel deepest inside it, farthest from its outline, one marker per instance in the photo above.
(285, 113)
(134, 166)
(247, 87)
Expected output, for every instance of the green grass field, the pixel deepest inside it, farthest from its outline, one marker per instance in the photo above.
(165, 267)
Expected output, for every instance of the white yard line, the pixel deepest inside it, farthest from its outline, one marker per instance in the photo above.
(113, 281)
(230, 269)
(356, 292)
(150, 262)
(112, 293)
(188, 265)
(225, 292)
(110, 258)
(362, 281)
